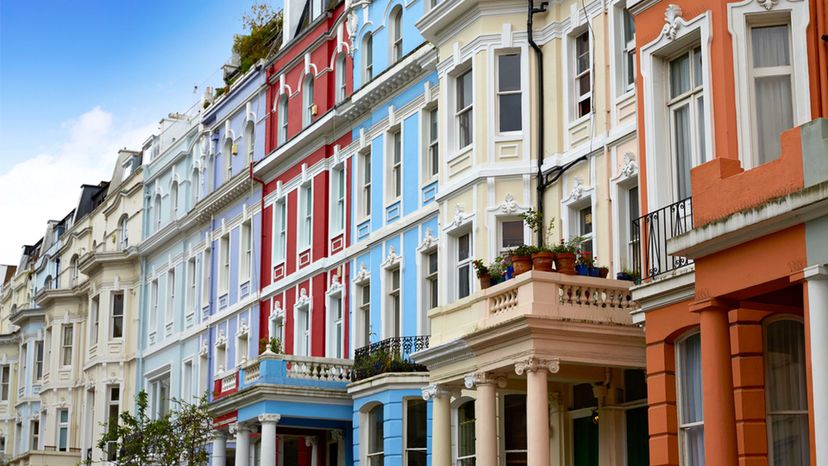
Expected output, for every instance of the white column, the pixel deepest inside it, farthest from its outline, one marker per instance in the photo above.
(267, 451)
(219, 449)
(817, 279)
(537, 407)
(485, 425)
(242, 445)
(311, 442)
(440, 424)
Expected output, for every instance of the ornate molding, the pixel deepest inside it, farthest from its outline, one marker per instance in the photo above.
(429, 241)
(277, 313)
(459, 219)
(392, 259)
(303, 300)
(243, 329)
(578, 191)
(768, 4)
(509, 205)
(434, 391)
(672, 19)
(335, 285)
(630, 167)
(482, 378)
(363, 275)
(269, 418)
(532, 364)
(222, 339)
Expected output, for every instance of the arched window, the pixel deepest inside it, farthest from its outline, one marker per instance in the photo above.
(228, 156)
(283, 119)
(250, 142)
(396, 34)
(156, 211)
(689, 391)
(341, 77)
(47, 284)
(123, 232)
(375, 452)
(74, 273)
(307, 100)
(174, 199)
(786, 393)
(368, 58)
(465, 434)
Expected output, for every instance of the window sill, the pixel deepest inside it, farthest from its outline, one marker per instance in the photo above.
(580, 120)
(508, 136)
(461, 152)
(627, 94)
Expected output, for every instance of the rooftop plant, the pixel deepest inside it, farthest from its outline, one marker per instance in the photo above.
(265, 28)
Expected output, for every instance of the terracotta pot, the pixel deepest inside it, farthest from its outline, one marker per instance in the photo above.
(603, 272)
(485, 281)
(543, 261)
(521, 264)
(565, 262)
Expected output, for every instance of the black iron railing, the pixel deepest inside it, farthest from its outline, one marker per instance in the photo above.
(653, 230)
(389, 355)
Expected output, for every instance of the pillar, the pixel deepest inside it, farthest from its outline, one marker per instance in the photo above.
(219, 455)
(817, 339)
(268, 450)
(311, 442)
(242, 445)
(485, 425)
(537, 407)
(717, 384)
(440, 424)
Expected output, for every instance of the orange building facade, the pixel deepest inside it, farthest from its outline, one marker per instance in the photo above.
(733, 242)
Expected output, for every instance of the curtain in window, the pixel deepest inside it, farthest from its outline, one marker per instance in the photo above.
(786, 393)
(684, 150)
(773, 94)
(689, 382)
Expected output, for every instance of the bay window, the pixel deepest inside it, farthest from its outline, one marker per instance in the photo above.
(464, 107)
(463, 265)
(66, 345)
(509, 93)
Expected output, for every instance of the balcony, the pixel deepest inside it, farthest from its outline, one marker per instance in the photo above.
(392, 355)
(654, 230)
(296, 371)
(535, 295)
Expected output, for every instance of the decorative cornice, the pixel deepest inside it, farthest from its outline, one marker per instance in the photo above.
(533, 364)
(630, 167)
(434, 391)
(768, 4)
(303, 300)
(429, 241)
(509, 206)
(392, 260)
(363, 275)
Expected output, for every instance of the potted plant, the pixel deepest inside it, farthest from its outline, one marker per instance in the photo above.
(542, 258)
(603, 272)
(565, 255)
(482, 274)
(497, 271)
(521, 259)
(628, 275)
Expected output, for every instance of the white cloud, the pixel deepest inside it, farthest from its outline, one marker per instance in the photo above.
(47, 185)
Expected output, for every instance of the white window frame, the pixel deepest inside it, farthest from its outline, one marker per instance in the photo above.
(123, 243)
(395, 34)
(460, 113)
(95, 319)
(365, 183)
(305, 335)
(66, 348)
(157, 211)
(34, 434)
(680, 35)
(679, 395)
(362, 315)
(171, 285)
(5, 382)
(224, 264)
(245, 251)
(624, 245)
(282, 102)
(691, 100)
(195, 185)
(250, 141)
(192, 286)
(242, 345)
(174, 199)
(39, 364)
(741, 16)
(393, 312)
(335, 322)
(159, 405)
(406, 448)
(368, 57)
(338, 189)
(577, 97)
(431, 279)
(280, 229)
(571, 208)
(500, 249)
(341, 77)
(228, 150)
(206, 260)
(458, 264)
(153, 311)
(305, 224)
(455, 434)
(307, 100)
(187, 380)
(394, 162)
(500, 93)
(431, 130)
(366, 417)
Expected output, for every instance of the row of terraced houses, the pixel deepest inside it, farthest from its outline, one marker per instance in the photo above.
(300, 248)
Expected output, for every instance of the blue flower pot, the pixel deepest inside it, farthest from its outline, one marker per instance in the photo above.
(594, 272)
(582, 269)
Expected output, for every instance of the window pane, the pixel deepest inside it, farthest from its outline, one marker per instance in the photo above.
(510, 113)
(680, 75)
(509, 72)
(583, 85)
(582, 52)
(465, 129)
(785, 363)
(770, 46)
(693, 445)
(683, 145)
(512, 233)
(629, 26)
(463, 278)
(633, 203)
(464, 90)
(463, 247)
(416, 424)
(432, 263)
(790, 439)
(774, 114)
(697, 67)
(465, 429)
(375, 430)
(690, 380)
(585, 442)
(638, 451)
(700, 128)
(585, 218)
(515, 422)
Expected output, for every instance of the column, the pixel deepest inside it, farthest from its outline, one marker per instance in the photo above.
(311, 442)
(440, 424)
(817, 340)
(219, 455)
(268, 451)
(537, 407)
(717, 383)
(485, 424)
(242, 445)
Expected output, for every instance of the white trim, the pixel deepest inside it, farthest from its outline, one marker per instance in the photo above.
(303, 301)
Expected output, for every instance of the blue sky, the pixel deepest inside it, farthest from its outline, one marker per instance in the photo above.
(78, 79)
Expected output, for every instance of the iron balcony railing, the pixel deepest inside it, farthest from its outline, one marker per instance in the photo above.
(653, 230)
(389, 355)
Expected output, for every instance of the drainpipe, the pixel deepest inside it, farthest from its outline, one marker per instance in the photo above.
(539, 64)
(261, 256)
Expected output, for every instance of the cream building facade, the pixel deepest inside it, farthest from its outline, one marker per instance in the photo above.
(543, 348)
